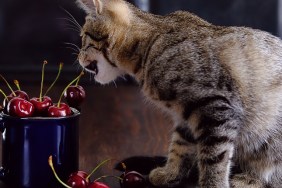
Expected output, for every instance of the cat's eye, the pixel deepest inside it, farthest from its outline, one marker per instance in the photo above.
(91, 46)
(96, 38)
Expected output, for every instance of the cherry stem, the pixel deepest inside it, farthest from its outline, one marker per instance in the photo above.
(59, 72)
(78, 79)
(50, 161)
(42, 80)
(97, 167)
(106, 176)
(16, 82)
(1, 91)
(77, 82)
(123, 166)
(59, 102)
(8, 84)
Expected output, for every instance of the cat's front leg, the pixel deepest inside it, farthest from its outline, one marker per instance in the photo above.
(246, 181)
(181, 157)
(216, 134)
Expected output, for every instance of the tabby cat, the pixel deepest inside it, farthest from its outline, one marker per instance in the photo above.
(221, 85)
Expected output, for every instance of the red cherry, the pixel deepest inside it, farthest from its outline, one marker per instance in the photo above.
(78, 180)
(41, 107)
(81, 174)
(20, 94)
(132, 179)
(97, 184)
(74, 95)
(5, 103)
(20, 107)
(62, 109)
(59, 111)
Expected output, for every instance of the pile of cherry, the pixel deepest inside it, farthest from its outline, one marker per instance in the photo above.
(19, 104)
(80, 179)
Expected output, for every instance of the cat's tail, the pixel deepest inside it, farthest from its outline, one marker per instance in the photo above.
(141, 164)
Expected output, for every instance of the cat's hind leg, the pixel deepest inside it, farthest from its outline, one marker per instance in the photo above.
(215, 133)
(180, 160)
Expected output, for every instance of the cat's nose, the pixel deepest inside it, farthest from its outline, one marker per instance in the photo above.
(83, 59)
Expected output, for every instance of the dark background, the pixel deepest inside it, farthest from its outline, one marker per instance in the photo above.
(115, 121)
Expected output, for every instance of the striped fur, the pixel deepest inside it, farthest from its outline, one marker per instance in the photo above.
(221, 85)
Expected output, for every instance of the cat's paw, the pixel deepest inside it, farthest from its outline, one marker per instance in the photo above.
(244, 181)
(164, 177)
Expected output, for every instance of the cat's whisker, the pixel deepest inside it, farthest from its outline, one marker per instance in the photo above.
(75, 50)
(90, 77)
(76, 54)
(123, 77)
(72, 29)
(93, 76)
(71, 22)
(72, 18)
(72, 44)
(75, 63)
(115, 83)
(78, 67)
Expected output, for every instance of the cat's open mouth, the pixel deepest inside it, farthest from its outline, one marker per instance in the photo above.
(92, 67)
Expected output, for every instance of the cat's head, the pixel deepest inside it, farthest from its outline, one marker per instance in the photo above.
(103, 29)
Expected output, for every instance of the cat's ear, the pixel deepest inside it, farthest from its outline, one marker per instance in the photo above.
(91, 6)
(117, 11)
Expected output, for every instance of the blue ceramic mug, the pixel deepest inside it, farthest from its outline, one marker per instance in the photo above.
(28, 142)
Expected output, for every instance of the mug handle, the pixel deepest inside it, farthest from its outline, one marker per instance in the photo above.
(2, 126)
(2, 129)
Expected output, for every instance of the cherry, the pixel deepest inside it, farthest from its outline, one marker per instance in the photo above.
(20, 107)
(133, 179)
(5, 101)
(18, 104)
(74, 95)
(97, 184)
(62, 109)
(41, 106)
(81, 174)
(78, 180)
(19, 93)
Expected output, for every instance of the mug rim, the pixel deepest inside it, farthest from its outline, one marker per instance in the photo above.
(75, 113)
